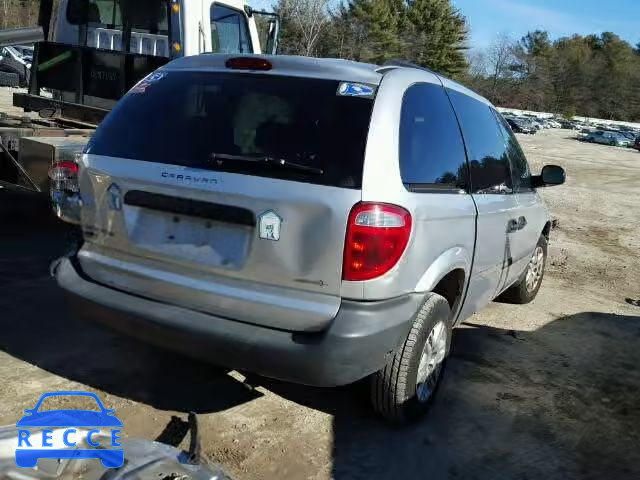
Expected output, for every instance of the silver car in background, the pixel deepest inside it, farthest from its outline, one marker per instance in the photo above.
(17, 60)
(604, 137)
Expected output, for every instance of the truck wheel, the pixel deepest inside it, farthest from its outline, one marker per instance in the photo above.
(404, 389)
(529, 283)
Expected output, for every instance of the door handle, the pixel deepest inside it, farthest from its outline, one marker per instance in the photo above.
(512, 225)
(522, 222)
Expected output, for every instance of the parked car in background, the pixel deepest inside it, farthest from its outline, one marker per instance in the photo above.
(627, 134)
(636, 143)
(520, 126)
(25, 51)
(568, 124)
(17, 60)
(536, 123)
(608, 138)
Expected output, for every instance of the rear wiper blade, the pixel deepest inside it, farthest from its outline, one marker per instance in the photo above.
(220, 158)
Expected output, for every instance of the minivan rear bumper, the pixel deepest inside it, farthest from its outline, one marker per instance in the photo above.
(359, 340)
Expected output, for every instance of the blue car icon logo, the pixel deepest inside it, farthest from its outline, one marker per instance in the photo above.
(57, 433)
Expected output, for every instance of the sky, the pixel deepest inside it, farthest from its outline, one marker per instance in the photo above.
(489, 18)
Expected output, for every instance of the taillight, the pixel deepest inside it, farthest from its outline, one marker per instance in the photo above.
(377, 235)
(64, 176)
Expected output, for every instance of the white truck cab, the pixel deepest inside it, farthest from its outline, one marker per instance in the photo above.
(159, 27)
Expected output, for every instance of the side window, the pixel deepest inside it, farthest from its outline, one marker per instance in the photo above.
(431, 148)
(229, 31)
(520, 171)
(486, 147)
(92, 11)
(146, 15)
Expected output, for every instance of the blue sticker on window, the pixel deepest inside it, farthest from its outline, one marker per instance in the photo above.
(155, 76)
(356, 90)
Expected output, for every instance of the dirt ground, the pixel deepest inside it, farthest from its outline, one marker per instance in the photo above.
(6, 101)
(547, 390)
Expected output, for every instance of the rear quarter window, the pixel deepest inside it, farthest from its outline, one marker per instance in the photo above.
(432, 155)
(191, 118)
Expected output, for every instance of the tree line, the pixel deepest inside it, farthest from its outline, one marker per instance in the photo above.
(427, 32)
(592, 75)
(18, 13)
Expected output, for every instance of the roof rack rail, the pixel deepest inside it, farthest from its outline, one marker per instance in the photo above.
(403, 63)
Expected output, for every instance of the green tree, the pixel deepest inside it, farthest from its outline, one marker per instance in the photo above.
(568, 69)
(435, 36)
(303, 24)
(378, 23)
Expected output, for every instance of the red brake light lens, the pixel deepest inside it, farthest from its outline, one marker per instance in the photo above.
(248, 63)
(64, 176)
(377, 236)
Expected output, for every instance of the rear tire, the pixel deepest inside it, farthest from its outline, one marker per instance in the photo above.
(404, 389)
(526, 289)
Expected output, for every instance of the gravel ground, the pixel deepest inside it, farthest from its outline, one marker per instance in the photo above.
(546, 390)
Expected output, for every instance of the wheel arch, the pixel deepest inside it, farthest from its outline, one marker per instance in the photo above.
(451, 287)
(447, 276)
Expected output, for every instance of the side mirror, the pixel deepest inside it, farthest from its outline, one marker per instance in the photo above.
(268, 24)
(551, 175)
(273, 36)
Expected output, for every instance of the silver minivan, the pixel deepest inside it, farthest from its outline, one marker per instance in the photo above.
(313, 220)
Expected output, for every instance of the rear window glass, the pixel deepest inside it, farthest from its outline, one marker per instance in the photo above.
(205, 120)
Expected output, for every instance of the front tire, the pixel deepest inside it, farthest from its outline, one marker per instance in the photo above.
(404, 389)
(529, 283)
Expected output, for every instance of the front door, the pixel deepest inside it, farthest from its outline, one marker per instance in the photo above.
(528, 219)
(491, 186)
